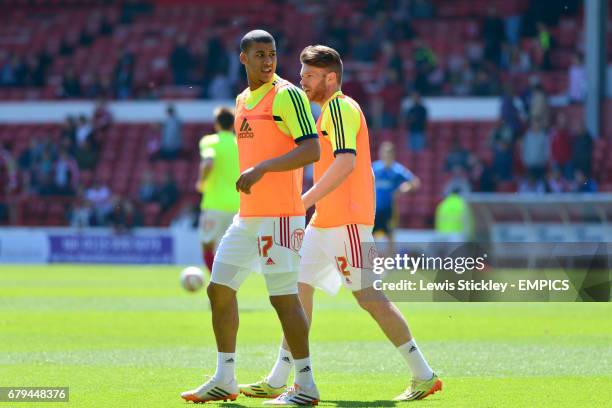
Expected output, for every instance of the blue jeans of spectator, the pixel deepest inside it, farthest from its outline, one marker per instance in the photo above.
(416, 141)
(513, 29)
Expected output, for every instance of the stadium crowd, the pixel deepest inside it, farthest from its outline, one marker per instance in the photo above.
(392, 60)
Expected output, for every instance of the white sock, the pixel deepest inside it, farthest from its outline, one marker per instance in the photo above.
(226, 367)
(281, 370)
(303, 373)
(419, 367)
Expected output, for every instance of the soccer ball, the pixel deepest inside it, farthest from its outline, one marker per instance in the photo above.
(192, 278)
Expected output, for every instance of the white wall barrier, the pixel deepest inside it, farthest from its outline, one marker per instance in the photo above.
(440, 108)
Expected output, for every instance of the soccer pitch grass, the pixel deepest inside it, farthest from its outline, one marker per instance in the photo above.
(129, 336)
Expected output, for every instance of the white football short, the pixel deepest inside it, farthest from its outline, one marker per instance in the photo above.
(267, 245)
(213, 224)
(332, 257)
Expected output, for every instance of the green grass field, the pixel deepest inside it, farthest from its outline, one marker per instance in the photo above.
(131, 337)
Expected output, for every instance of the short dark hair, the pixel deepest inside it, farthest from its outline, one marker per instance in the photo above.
(255, 36)
(322, 56)
(224, 117)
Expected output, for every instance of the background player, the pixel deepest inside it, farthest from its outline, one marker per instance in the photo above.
(219, 170)
(392, 179)
(272, 116)
(338, 243)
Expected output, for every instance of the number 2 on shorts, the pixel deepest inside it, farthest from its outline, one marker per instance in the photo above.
(342, 264)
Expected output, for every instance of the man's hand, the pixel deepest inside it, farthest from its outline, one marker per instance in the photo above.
(248, 178)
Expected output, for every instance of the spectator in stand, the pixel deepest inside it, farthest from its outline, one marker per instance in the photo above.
(480, 175)
(102, 117)
(503, 132)
(7, 70)
(28, 157)
(460, 76)
(415, 119)
(8, 183)
(509, 112)
(561, 146)
(28, 164)
(363, 49)
(147, 192)
(220, 87)
(66, 47)
(582, 149)
(44, 60)
(216, 58)
(100, 87)
(577, 79)
(458, 156)
(501, 168)
(125, 215)
(531, 185)
(69, 129)
(84, 131)
(515, 60)
(21, 71)
(66, 144)
(66, 174)
(425, 62)
(42, 176)
(9, 168)
(124, 75)
(180, 61)
(493, 35)
(539, 109)
(87, 156)
(81, 213)
(171, 137)
(555, 183)
(71, 86)
(168, 192)
(512, 26)
(582, 183)
(390, 96)
(390, 60)
(458, 183)
(527, 93)
(484, 85)
(535, 150)
(545, 44)
(338, 36)
(100, 198)
(422, 9)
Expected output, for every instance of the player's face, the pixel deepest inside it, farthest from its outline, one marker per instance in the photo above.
(260, 62)
(386, 154)
(314, 82)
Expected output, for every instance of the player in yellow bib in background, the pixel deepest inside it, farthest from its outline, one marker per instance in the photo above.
(219, 170)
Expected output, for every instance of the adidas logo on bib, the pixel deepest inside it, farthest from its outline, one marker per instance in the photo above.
(246, 132)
